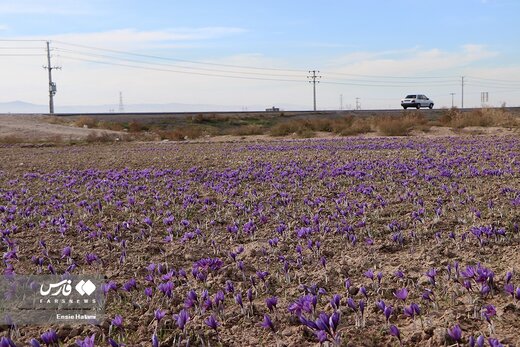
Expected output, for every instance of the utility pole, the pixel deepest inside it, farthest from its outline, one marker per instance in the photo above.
(52, 85)
(341, 102)
(313, 78)
(462, 85)
(358, 105)
(452, 99)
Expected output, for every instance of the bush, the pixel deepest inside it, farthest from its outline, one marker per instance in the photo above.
(135, 127)
(400, 125)
(484, 117)
(88, 121)
(110, 126)
(180, 134)
(358, 126)
(285, 128)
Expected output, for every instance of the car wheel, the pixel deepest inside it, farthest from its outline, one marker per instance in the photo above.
(430, 106)
(405, 107)
(418, 106)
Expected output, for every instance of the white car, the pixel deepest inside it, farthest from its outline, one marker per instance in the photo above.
(417, 101)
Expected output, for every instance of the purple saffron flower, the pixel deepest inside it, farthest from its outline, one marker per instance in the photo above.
(431, 273)
(159, 314)
(117, 321)
(49, 337)
(182, 318)
(321, 336)
(455, 333)
(401, 294)
(352, 304)
(381, 305)
(211, 322)
(369, 274)
(238, 299)
(480, 341)
(394, 331)
(34, 343)
(148, 291)
(66, 252)
(489, 312)
(409, 311)
(388, 312)
(155, 340)
(113, 343)
(335, 301)
(271, 303)
(399, 274)
(87, 342)
(494, 342)
(267, 323)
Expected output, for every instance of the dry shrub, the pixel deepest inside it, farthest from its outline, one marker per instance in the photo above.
(305, 133)
(110, 125)
(285, 128)
(247, 130)
(88, 121)
(55, 120)
(180, 134)
(485, 117)
(350, 125)
(135, 127)
(199, 118)
(358, 126)
(400, 125)
(320, 124)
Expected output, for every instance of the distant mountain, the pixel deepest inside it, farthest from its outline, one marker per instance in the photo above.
(25, 107)
(22, 107)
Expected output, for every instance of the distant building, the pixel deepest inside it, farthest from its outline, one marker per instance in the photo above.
(272, 109)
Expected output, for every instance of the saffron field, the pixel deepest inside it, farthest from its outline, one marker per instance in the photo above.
(349, 242)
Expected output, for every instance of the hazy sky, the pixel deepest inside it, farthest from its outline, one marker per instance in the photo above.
(258, 53)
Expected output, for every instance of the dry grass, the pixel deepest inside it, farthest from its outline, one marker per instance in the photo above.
(181, 133)
(110, 125)
(83, 121)
(400, 125)
(485, 117)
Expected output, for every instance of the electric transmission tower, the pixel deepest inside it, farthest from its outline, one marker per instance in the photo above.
(313, 78)
(52, 85)
(358, 104)
(121, 108)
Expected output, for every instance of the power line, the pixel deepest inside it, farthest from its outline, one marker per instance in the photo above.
(178, 71)
(176, 59)
(169, 65)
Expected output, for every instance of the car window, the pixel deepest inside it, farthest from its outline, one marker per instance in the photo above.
(411, 96)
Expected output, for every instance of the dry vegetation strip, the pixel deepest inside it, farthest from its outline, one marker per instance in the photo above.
(201, 125)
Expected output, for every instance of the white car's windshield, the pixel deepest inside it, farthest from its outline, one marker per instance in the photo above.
(410, 97)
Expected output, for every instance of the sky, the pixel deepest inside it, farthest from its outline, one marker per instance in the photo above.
(256, 54)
